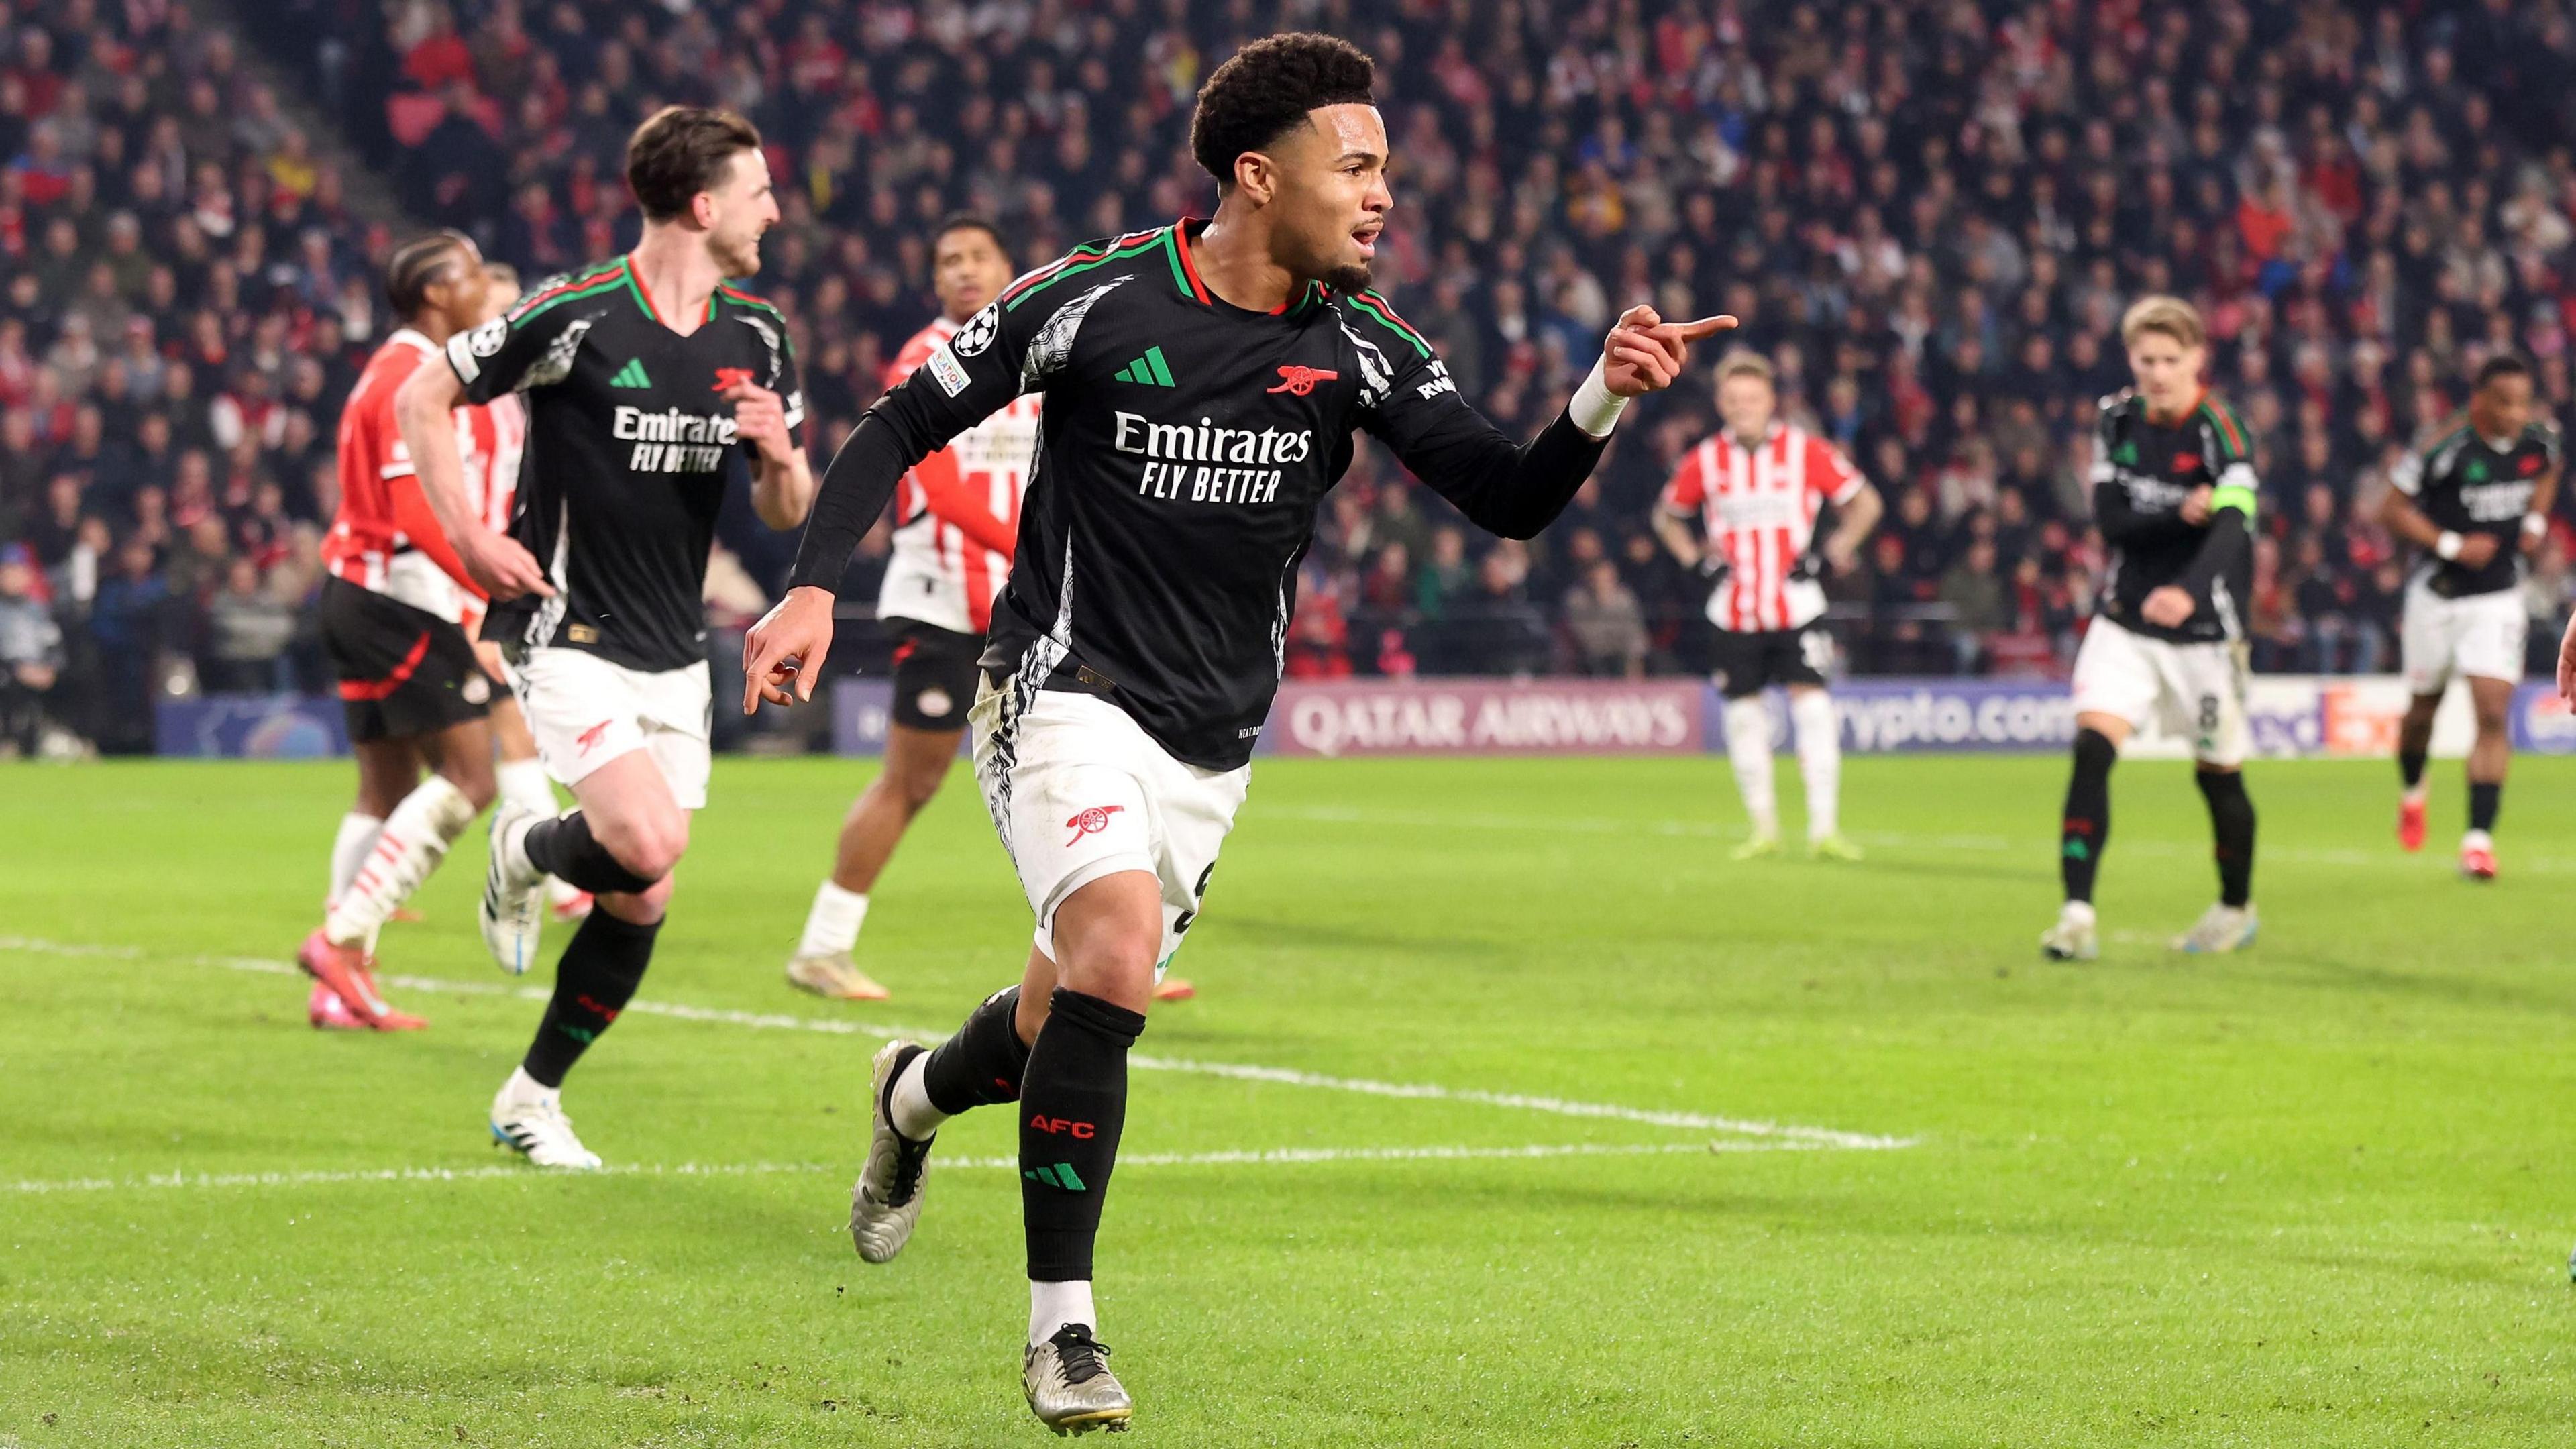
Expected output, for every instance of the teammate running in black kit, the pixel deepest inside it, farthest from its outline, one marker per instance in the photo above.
(1203, 381)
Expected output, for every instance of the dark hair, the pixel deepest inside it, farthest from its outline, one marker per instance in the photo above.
(415, 267)
(681, 151)
(1265, 90)
(2503, 364)
(970, 221)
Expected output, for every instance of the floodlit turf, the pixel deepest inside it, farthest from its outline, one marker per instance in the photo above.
(2316, 1195)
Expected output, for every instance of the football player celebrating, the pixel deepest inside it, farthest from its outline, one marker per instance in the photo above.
(2477, 501)
(2173, 494)
(641, 376)
(1203, 381)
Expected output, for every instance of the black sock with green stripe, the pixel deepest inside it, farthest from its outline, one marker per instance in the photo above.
(1073, 1103)
(598, 975)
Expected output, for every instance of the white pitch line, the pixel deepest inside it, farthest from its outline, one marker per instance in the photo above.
(1238, 1071)
(1240, 1157)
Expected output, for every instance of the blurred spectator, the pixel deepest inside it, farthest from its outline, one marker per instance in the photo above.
(1607, 623)
(247, 631)
(31, 652)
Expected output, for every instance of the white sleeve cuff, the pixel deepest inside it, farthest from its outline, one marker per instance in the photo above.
(1595, 408)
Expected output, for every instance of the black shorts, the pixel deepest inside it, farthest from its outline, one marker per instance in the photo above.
(403, 673)
(934, 675)
(1746, 663)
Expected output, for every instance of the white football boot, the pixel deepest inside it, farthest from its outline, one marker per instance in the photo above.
(2220, 929)
(1069, 1385)
(885, 1202)
(2073, 938)
(537, 1129)
(512, 912)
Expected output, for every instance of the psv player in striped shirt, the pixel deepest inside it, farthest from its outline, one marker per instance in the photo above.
(1742, 509)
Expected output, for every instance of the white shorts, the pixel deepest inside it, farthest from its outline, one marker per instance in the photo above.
(2195, 691)
(584, 711)
(2480, 635)
(1079, 791)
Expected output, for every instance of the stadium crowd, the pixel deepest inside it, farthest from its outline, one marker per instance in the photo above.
(1928, 215)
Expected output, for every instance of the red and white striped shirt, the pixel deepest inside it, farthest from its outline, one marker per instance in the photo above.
(384, 537)
(1759, 505)
(957, 513)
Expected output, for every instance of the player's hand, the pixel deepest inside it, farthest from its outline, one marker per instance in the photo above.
(2477, 550)
(488, 654)
(2531, 541)
(783, 654)
(501, 566)
(1644, 353)
(2195, 506)
(2567, 664)
(760, 419)
(2167, 608)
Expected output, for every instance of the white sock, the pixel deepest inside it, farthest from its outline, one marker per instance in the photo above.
(2076, 913)
(415, 839)
(1820, 759)
(524, 784)
(349, 850)
(2478, 840)
(832, 927)
(1748, 744)
(524, 1090)
(1053, 1305)
(909, 1103)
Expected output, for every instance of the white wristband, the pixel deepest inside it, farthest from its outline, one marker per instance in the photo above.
(2448, 545)
(1595, 408)
(2535, 524)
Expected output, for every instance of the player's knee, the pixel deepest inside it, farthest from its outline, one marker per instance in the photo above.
(1119, 971)
(915, 787)
(649, 847)
(479, 787)
(641, 908)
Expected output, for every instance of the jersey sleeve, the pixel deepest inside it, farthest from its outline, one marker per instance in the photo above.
(2407, 476)
(1408, 402)
(1830, 475)
(1686, 492)
(1016, 344)
(2229, 457)
(516, 352)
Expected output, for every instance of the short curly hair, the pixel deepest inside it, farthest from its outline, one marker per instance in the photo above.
(1265, 90)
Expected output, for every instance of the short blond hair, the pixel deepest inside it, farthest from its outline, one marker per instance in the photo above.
(2171, 316)
(1745, 362)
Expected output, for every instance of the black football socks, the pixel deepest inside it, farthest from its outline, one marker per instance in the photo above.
(1073, 1103)
(566, 850)
(596, 978)
(984, 1063)
(2086, 827)
(2231, 827)
(2485, 798)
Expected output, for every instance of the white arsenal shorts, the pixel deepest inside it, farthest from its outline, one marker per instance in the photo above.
(2195, 691)
(2479, 635)
(585, 711)
(1079, 791)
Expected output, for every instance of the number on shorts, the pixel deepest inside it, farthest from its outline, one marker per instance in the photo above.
(2208, 715)
(1198, 894)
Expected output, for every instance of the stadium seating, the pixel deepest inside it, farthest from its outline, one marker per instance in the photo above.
(1929, 216)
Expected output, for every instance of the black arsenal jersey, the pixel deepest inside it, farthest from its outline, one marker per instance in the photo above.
(1185, 445)
(2465, 484)
(628, 433)
(2143, 469)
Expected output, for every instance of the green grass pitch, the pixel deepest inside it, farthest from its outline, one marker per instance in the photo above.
(2319, 1194)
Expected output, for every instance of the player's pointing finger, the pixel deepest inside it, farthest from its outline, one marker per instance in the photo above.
(1703, 328)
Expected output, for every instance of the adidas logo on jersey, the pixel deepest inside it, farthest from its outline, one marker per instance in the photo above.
(1148, 369)
(631, 375)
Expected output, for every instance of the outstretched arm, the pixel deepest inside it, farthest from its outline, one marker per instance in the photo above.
(1513, 490)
